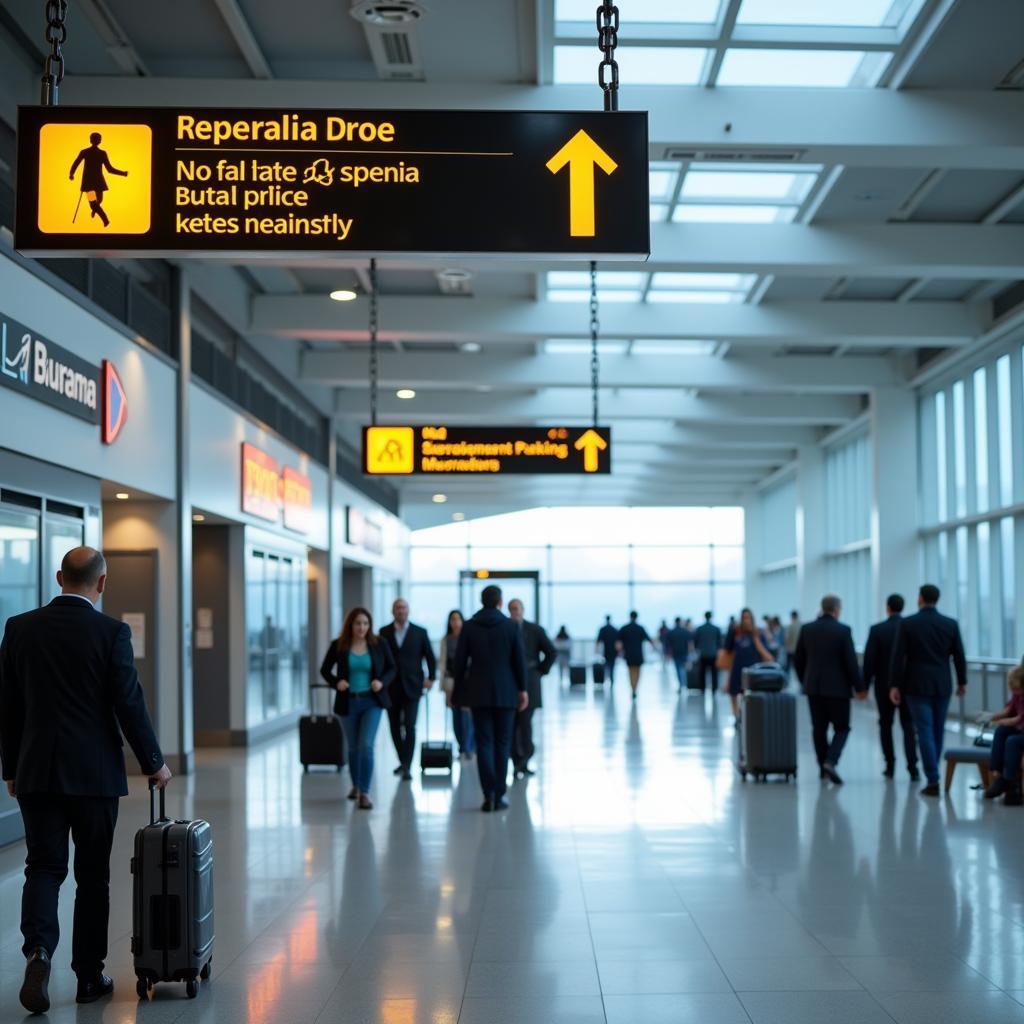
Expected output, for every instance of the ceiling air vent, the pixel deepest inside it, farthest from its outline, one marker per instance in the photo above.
(390, 30)
(735, 156)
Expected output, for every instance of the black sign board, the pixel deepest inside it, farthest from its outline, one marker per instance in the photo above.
(485, 451)
(38, 368)
(154, 181)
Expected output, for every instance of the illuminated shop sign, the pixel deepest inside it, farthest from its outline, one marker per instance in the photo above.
(270, 492)
(188, 181)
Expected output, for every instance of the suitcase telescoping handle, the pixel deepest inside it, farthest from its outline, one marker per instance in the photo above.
(317, 686)
(153, 819)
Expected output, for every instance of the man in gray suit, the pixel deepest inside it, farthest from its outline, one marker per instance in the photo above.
(540, 659)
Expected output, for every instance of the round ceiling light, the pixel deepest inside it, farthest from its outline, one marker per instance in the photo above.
(458, 516)
(343, 295)
(122, 495)
(198, 517)
(388, 13)
(439, 499)
(405, 393)
(471, 346)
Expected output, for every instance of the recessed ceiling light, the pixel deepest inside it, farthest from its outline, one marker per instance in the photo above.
(198, 517)
(458, 517)
(122, 495)
(471, 346)
(343, 295)
(484, 388)
(439, 499)
(405, 393)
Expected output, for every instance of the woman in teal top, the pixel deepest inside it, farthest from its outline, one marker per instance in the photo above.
(359, 667)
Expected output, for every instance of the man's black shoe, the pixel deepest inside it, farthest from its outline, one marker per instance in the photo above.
(406, 775)
(932, 789)
(487, 807)
(915, 775)
(398, 770)
(34, 993)
(529, 771)
(832, 775)
(821, 772)
(1013, 797)
(501, 804)
(889, 771)
(97, 988)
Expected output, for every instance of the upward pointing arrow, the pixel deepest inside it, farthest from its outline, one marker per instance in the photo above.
(590, 443)
(581, 153)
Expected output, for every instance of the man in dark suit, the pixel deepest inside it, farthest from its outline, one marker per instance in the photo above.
(540, 660)
(877, 663)
(632, 637)
(680, 643)
(67, 681)
(826, 665)
(410, 647)
(708, 639)
(490, 680)
(607, 645)
(920, 674)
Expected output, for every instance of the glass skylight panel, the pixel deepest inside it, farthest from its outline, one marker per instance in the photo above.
(638, 65)
(605, 279)
(573, 347)
(835, 69)
(710, 298)
(663, 179)
(676, 12)
(833, 13)
(659, 213)
(710, 181)
(605, 295)
(674, 279)
(722, 213)
(673, 347)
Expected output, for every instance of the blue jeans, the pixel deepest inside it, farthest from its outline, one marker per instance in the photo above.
(360, 728)
(462, 723)
(929, 715)
(1007, 748)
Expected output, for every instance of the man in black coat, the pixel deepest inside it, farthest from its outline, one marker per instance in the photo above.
(410, 647)
(680, 643)
(826, 665)
(541, 656)
(67, 682)
(925, 644)
(877, 664)
(607, 645)
(490, 680)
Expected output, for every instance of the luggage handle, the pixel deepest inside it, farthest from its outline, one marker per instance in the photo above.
(317, 686)
(426, 730)
(153, 819)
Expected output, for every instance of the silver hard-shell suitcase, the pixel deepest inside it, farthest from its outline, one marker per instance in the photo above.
(767, 734)
(172, 902)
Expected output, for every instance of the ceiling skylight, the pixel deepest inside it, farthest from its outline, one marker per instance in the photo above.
(833, 13)
(765, 182)
(673, 347)
(638, 65)
(573, 347)
(605, 279)
(663, 178)
(706, 298)
(678, 12)
(659, 213)
(603, 295)
(721, 213)
(818, 68)
(671, 286)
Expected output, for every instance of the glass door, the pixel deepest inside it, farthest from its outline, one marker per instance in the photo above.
(19, 561)
(62, 534)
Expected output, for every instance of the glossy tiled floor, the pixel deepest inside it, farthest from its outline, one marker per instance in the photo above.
(635, 880)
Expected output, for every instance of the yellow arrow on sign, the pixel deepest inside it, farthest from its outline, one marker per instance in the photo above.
(590, 443)
(581, 153)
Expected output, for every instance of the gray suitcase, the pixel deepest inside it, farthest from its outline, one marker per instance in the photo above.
(768, 677)
(172, 902)
(767, 735)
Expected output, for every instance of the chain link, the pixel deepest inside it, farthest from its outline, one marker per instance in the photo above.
(595, 328)
(56, 37)
(607, 40)
(374, 368)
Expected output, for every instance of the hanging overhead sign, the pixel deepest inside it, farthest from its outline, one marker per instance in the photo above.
(167, 181)
(402, 451)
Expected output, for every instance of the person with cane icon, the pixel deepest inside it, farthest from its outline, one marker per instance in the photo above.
(95, 161)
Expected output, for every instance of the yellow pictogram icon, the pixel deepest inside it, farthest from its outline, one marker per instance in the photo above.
(590, 443)
(390, 450)
(581, 153)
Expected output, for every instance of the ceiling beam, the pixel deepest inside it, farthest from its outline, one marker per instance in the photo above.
(817, 374)
(855, 127)
(241, 32)
(445, 318)
(714, 436)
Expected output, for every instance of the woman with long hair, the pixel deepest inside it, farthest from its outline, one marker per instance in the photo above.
(359, 667)
(462, 720)
(748, 646)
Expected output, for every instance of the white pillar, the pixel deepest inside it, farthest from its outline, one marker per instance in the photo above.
(812, 581)
(753, 544)
(895, 562)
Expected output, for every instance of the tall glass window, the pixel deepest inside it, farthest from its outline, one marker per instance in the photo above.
(981, 439)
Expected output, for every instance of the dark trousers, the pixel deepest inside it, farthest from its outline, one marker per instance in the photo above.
(1007, 748)
(402, 719)
(708, 669)
(48, 820)
(522, 739)
(826, 711)
(609, 666)
(493, 728)
(886, 716)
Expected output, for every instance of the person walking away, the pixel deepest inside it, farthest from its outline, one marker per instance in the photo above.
(790, 638)
(747, 646)
(632, 638)
(490, 679)
(360, 668)
(680, 640)
(410, 649)
(540, 659)
(664, 642)
(563, 644)
(68, 691)
(877, 663)
(826, 665)
(607, 641)
(707, 640)
(925, 644)
(1008, 744)
(462, 720)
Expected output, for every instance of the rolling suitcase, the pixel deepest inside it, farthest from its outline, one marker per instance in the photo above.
(172, 901)
(767, 734)
(321, 740)
(695, 676)
(435, 755)
(577, 675)
(597, 669)
(768, 677)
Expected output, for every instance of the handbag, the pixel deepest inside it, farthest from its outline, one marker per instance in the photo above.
(724, 659)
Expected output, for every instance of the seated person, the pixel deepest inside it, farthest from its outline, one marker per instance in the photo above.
(1008, 744)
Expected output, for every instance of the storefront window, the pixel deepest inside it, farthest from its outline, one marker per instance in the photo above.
(19, 562)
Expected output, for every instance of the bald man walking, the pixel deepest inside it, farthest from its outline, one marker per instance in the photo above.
(68, 689)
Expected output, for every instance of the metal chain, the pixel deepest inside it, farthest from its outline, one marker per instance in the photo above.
(56, 37)
(595, 327)
(374, 369)
(607, 40)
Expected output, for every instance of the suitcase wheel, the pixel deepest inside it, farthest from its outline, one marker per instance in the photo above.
(305, 768)
(205, 972)
(192, 988)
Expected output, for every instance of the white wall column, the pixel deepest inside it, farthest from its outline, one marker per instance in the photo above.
(753, 543)
(812, 581)
(895, 558)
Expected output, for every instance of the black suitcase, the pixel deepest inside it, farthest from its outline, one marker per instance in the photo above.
(597, 669)
(321, 740)
(435, 755)
(172, 901)
(767, 734)
(577, 675)
(695, 676)
(767, 677)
